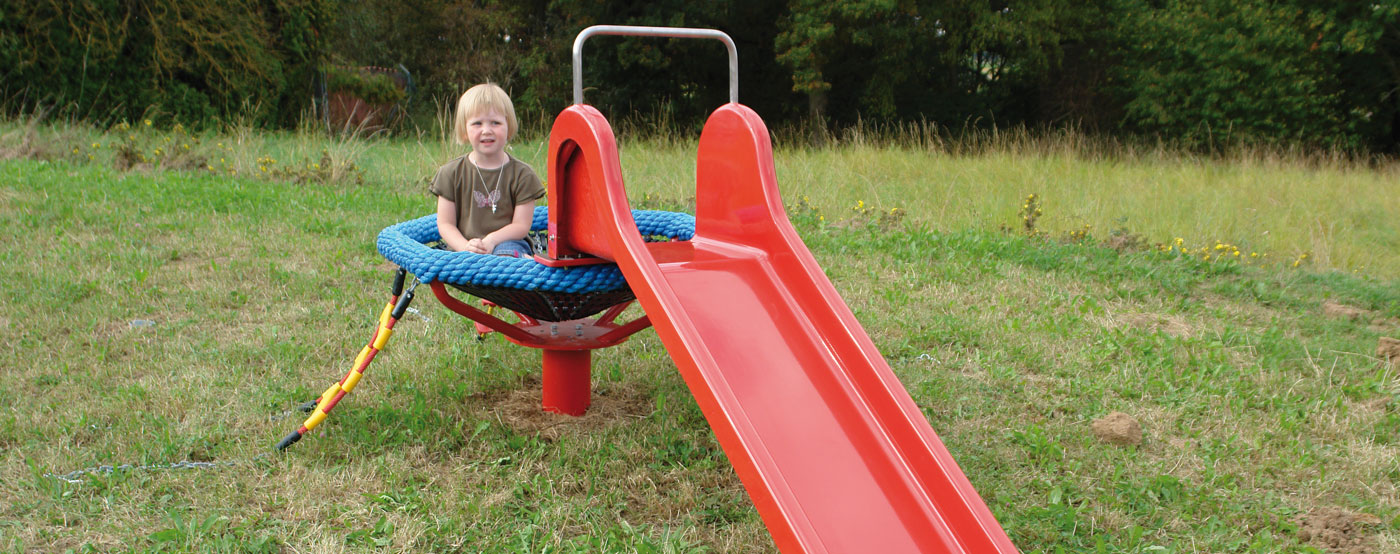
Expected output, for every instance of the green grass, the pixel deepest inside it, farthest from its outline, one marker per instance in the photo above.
(1256, 407)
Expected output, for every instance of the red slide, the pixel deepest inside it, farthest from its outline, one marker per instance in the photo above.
(829, 445)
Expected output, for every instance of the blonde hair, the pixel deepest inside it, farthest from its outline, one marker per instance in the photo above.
(476, 101)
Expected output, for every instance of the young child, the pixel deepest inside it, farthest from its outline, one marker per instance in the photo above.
(486, 199)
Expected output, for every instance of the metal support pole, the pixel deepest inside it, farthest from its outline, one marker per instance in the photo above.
(567, 381)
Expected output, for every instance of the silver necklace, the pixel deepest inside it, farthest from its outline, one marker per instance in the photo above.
(495, 195)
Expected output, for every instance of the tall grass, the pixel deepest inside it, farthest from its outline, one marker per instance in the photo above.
(1345, 215)
(1342, 213)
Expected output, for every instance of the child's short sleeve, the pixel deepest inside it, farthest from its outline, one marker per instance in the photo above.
(444, 183)
(526, 186)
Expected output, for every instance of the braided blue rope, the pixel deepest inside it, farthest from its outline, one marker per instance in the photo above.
(404, 244)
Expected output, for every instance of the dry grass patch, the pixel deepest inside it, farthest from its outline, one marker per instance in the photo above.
(1172, 325)
(614, 404)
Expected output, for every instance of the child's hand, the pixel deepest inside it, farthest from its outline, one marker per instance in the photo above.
(478, 246)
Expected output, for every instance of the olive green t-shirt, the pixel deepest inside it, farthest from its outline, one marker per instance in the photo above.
(476, 191)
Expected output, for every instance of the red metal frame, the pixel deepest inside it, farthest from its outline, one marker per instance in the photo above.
(567, 346)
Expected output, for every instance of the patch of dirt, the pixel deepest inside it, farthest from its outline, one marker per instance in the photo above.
(186, 162)
(386, 266)
(1126, 242)
(1380, 404)
(522, 409)
(1343, 311)
(1388, 349)
(1171, 325)
(1118, 428)
(195, 262)
(201, 453)
(1337, 530)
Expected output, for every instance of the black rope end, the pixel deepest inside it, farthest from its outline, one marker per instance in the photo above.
(399, 277)
(402, 306)
(288, 440)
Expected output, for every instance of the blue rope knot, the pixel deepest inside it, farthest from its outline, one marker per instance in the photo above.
(405, 244)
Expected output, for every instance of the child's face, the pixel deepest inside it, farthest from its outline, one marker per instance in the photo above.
(487, 133)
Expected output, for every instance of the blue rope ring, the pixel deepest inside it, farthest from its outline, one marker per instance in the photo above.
(405, 244)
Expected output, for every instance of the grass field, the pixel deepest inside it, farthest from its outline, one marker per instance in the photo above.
(157, 317)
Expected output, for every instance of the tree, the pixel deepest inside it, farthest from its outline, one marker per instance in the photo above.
(1214, 71)
(817, 36)
(942, 61)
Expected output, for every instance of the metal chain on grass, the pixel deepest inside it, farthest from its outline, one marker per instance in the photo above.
(76, 477)
(284, 415)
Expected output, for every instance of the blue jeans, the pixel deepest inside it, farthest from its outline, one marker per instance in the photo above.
(518, 248)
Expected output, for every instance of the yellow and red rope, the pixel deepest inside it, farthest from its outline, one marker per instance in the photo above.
(394, 310)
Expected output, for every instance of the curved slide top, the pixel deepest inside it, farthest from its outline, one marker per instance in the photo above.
(829, 445)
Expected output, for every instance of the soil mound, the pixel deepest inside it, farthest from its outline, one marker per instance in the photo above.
(1118, 428)
(1337, 530)
(1388, 349)
(1343, 311)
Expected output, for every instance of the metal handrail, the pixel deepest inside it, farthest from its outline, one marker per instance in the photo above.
(670, 32)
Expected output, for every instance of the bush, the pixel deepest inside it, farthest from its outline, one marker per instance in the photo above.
(163, 59)
(1209, 73)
